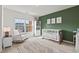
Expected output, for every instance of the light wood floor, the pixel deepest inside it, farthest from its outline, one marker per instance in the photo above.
(38, 45)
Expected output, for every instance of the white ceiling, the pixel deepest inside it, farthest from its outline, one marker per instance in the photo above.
(38, 10)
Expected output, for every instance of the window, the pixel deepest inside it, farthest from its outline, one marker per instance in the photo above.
(19, 24)
(27, 25)
(23, 25)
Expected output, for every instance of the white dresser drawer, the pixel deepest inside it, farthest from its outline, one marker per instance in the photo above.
(52, 34)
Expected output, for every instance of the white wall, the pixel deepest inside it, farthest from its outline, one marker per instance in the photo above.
(0, 28)
(10, 15)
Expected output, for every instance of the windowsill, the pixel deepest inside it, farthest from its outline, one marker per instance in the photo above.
(24, 32)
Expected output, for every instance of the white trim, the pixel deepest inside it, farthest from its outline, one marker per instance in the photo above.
(2, 20)
(1, 28)
(68, 41)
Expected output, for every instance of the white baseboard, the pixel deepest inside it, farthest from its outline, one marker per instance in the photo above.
(68, 41)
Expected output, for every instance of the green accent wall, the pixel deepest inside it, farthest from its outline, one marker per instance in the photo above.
(70, 21)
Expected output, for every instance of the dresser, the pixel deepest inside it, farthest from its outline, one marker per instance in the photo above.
(77, 42)
(0, 44)
(7, 41)
(53, 34)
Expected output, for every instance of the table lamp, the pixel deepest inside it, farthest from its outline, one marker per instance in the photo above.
(7, 31)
